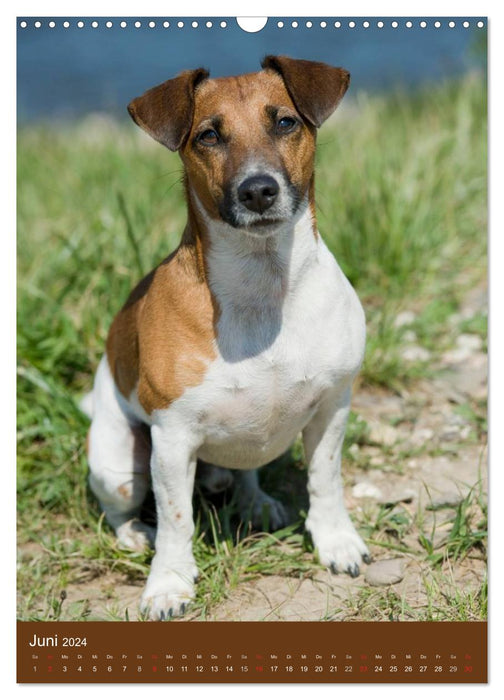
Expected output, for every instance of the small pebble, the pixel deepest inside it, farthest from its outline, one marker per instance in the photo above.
(450, 434)
(455, 356)
(405, 496)
(447, 499)
(469, 341)
(354, 450)
(385, 572)
(409, 336)
(404, 318)
(382, 434)
(415, 353)
(365, 489)
(465, 432)
(421, 436)
(456, 419)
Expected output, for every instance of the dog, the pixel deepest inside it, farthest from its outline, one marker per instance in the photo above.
(244, 337)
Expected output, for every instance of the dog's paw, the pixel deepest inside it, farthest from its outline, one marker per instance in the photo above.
(169, 595)
(214, 479)
(341, 550)
(136, 535)
(265, 513)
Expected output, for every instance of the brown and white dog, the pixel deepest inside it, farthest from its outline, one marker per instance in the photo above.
(245, 336)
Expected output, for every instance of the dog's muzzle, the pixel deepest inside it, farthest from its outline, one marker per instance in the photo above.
(259, 201)
(258, 193)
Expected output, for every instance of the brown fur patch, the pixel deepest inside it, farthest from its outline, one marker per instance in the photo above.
(315, 87)
(124, 491)
(163, 339)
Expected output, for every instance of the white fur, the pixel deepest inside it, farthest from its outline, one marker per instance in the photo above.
(290, 340)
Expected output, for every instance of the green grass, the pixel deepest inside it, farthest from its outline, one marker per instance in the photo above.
(401, 191)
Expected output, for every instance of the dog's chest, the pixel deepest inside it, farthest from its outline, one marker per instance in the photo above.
(275, 361)
(256, 407)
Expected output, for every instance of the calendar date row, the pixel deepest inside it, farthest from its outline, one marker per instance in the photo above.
(275, 668)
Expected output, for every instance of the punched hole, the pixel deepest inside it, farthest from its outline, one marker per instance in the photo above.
(252, 24)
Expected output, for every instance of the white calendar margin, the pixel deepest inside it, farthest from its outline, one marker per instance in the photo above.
(258, 8)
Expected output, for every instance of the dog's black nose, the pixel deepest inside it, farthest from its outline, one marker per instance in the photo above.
(258, 193)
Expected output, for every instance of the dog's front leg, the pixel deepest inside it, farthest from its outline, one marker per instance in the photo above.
(170, 586)
(334, 536)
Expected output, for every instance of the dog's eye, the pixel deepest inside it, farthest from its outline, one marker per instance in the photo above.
(285, 125)
(209, 137)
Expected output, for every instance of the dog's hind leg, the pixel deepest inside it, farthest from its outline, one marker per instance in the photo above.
(119, 449)
(255, 506)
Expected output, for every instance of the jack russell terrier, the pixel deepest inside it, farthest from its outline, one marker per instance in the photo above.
(245, 336)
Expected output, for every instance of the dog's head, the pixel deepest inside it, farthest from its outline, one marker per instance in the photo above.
(247, 142)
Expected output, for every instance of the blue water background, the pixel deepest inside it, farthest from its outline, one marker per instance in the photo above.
(67, 73)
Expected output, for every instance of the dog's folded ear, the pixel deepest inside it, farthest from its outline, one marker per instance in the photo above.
(165, 112)
(315, 88)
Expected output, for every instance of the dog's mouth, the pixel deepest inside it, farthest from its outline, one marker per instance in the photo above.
(265, 223)
(258, 225)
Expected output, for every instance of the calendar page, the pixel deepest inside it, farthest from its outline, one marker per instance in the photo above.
(252, 349)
